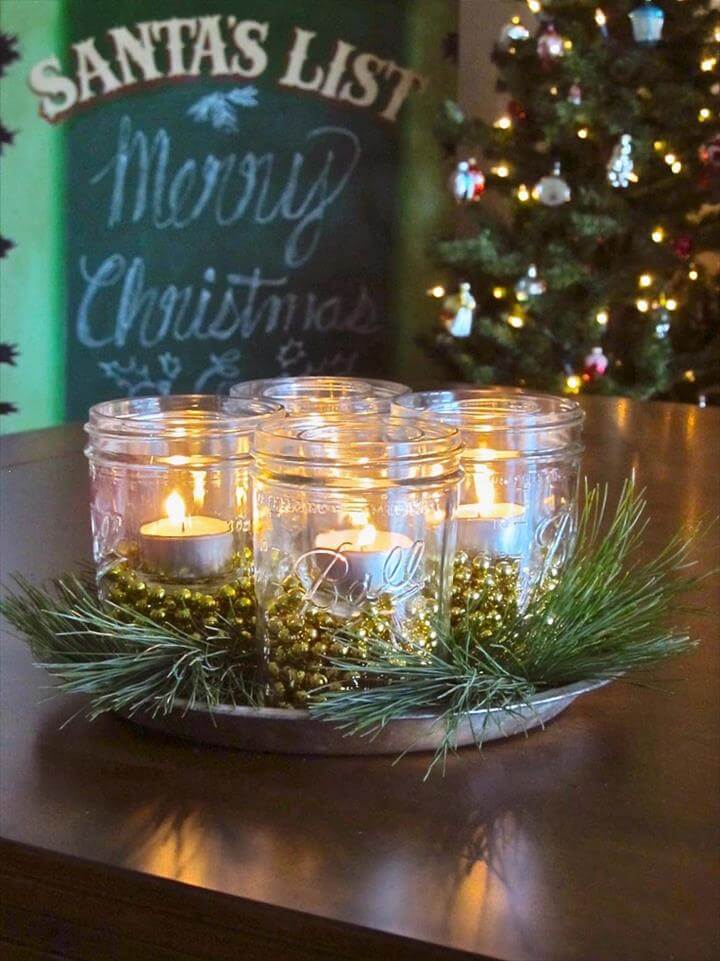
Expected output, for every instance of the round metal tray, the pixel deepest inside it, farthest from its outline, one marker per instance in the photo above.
(286, 731)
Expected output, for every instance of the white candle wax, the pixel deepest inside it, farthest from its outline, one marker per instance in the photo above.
(186, 547)
(494, 529)
(371, 556)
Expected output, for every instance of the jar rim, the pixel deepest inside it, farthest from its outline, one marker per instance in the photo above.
(175, 415)
(355, 439)
(492, 409)
(320, 387)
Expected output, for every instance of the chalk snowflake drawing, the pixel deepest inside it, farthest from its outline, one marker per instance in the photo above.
(220, 109)
(290, 354)
(135, 379)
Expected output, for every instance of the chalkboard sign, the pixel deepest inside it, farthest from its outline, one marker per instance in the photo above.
(235, 186)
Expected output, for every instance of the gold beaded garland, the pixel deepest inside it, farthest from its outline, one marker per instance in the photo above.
(494, 580)
(229, 608)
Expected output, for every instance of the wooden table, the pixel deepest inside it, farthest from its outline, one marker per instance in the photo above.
(594, 839)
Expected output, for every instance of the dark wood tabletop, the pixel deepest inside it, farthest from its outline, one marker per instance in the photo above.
(596, 838)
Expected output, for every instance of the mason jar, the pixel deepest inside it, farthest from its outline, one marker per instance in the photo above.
(354, 536)
(323, 395)
(518, 502)
(171, 506)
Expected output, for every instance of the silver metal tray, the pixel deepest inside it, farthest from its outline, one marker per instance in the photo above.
(286, 731)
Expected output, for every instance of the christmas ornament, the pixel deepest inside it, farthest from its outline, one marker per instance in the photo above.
(458, 311)
(709, 153)
(531, 285)
(549, 45)
(662, 322)
(647, 23)
(683, 246)
(596, 363)
(575, 94)
(552, 190)
(516, 110)
(620, 165)
(512, 32)
(467, 182)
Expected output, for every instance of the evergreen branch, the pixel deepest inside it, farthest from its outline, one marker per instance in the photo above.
(604, 618)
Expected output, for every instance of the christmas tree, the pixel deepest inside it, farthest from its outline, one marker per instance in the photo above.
(591, 235)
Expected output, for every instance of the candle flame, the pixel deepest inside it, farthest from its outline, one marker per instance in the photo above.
(368, 533)
(484, 487)
(175, 509)
(199, 477)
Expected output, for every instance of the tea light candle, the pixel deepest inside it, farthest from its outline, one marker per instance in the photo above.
(487, 526)
(369, 554)
(186, 547)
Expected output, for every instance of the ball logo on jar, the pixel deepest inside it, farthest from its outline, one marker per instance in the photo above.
(358, 576)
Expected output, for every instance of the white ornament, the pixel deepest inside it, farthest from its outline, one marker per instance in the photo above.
(512, 32)
(458, 312)
(531, 285)
(620, 166)
(552, 190)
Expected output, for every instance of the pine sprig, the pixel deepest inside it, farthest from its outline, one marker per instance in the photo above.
(122, 660)
(604, 618)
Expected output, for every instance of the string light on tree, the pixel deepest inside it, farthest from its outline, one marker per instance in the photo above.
(693, 273)
(523, 194)
(583, 133)
(704, 114)
(602, 317)
(534, 6)
(516, 318)
(499, 292)
(573, 383)
(658, 234)
(503, 123)
(437, 291)
(501, 170)
(647, 23)
(708, 64)
(645, 281)
(642, 305)
(601, 21)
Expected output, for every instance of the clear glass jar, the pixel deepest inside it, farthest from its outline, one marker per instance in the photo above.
(323, 395)
(353, 530)
(518, 502)
(171, 506)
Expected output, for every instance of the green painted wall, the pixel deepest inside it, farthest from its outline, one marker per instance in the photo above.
(32, 303)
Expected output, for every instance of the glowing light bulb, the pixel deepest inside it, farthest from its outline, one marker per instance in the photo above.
(642, 305)
(567, 44)
(515, 20)
(676, 167)
(671, 303)
(498, 293)
(659, 145)
(503, 123)
(437, 291)
(602, 317)
(501, 170)
(645, 280)
(670, 159)
(523, 194)
(689, 376)
(573, 383)
(693, 274)
(534, 6)
(658, 235)
(708, 64)
(583, 133)
(515, 320)
(704, 114)
(553, 91)
(600, 18)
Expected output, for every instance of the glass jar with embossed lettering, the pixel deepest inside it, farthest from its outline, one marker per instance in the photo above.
(323, 395)
(518, 501)
(354, 537)
(171, 508)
